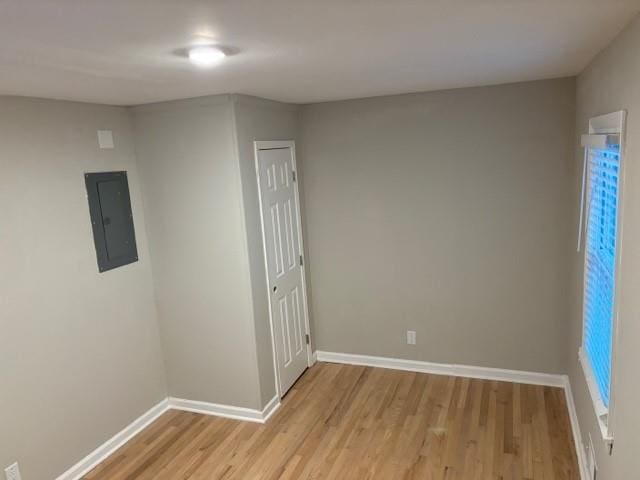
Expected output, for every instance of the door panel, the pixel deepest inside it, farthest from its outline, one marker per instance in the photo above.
(280, 213)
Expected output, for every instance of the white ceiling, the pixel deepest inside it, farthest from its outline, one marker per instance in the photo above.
(123, 51)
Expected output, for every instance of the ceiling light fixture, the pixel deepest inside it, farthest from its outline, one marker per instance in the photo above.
(205, 55)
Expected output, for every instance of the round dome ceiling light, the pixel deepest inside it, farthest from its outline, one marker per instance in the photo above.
(205, 55)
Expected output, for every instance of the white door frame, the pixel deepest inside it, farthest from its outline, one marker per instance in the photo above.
(271, 145)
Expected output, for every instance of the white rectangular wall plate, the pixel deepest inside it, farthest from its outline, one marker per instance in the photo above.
(105, 139)
(12, 472)
(411, 337)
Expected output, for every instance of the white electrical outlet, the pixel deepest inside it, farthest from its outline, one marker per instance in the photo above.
(13, 472)
(411, 337)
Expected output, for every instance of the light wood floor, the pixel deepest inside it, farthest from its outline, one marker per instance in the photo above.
(348, 422)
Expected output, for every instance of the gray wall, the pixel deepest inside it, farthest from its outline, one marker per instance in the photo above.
(80, 356)
(446, 213)
(611, 83)
(193, 202)
(450, 213)
(259, 119)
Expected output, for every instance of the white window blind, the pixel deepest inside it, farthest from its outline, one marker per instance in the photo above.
(600, 213)
(603, 201)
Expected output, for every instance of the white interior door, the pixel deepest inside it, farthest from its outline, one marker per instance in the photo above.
(279, 200)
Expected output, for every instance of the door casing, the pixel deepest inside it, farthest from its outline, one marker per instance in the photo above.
(269, 145)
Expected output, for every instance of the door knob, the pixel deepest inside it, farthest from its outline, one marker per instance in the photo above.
(275, 289)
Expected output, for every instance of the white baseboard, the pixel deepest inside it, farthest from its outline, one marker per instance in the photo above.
(110, 446)
(270, 408)
(118, 440)
(575, 427)
(261, 416)
(226, 411)
(486, 373)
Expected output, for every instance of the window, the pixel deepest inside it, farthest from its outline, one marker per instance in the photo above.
(601, 213)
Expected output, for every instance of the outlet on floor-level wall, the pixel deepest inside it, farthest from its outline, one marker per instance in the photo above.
(411, 337)
(13, 472)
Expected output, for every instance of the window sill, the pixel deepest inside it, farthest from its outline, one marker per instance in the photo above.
(601, 411)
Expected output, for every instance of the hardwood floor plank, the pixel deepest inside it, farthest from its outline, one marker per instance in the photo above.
(352, 422)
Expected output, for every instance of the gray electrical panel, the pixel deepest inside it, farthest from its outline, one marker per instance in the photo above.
(111, 219)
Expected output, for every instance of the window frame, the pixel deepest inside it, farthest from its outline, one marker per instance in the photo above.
(612, 123)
